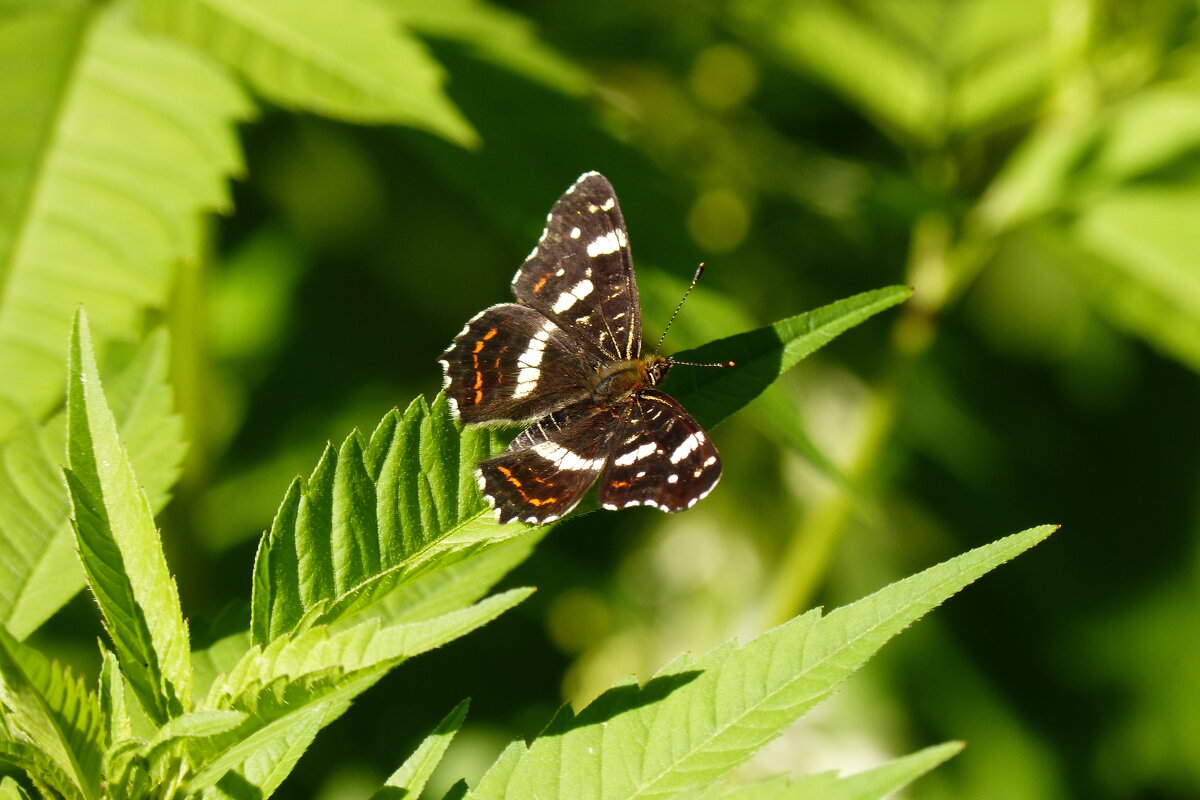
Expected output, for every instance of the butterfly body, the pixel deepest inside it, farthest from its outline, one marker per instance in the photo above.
(567, 358)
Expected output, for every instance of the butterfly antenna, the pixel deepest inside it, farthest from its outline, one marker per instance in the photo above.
(671, 321)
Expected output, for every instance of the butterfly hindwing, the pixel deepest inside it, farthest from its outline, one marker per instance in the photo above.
(511, 364)
(567, 357)
(547, 469)
(580, 275)
(661, 457)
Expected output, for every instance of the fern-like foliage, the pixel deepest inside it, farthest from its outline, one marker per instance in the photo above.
(114, 145)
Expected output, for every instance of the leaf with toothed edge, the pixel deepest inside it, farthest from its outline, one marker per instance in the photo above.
(376, 514)
(697, 719)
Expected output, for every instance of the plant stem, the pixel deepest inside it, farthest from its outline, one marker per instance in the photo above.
(806, 559)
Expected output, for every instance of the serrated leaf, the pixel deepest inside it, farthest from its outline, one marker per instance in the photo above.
(764, 354)
(347, 59)
(359, 647)
(694, 721)
(37, 763)
(113, 706)
(36, 542)
(410, 779)
(119, 546)
(372, 515)
(189, 725)
(494, 34)
(56, 713)
(296, 686)
(114, 145)
(871, 784)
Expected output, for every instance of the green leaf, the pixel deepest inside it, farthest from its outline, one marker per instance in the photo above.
(36, 543)
(296, 686)
(114, 146)
(114, 707)
(872, 65)
(347, 59)
(762, 355)
(119, 545)
(494, 34)
(189, 725)
(11, 790)
(56, 714)
(1143, 272)
(364, 645)
(373, 515)
(37, 763)
(695, 721)
(872, 784)
(409, 781)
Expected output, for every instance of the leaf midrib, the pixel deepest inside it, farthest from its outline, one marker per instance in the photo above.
(648, 787)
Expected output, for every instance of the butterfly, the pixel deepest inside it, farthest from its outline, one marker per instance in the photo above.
(566, 359)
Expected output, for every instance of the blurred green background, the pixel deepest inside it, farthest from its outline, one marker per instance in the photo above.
(1030, 167)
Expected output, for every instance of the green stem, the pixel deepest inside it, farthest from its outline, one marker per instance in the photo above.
(806, 559)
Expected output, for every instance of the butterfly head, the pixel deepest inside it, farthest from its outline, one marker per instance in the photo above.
(654, 368)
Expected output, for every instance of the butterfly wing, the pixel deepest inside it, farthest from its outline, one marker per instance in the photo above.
(580, 275)
(548, 468)
(661, 457)
(511, 364)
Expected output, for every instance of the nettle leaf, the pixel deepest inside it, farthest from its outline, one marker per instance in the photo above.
(36, 543)
(871, 784)
(56, 714)
(409, 781)
(348, 59)
(764, 354)
(119, 546)
(373, 515)
(494, 34)
(696, 720)
(297, 685)
(114, 146)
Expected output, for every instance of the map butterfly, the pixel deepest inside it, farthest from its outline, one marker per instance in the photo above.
(567, 357)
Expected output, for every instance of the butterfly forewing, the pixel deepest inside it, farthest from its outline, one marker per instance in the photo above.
(661, 457)
(567, 357)
(511, 364)
(547, 469)
(580, 275)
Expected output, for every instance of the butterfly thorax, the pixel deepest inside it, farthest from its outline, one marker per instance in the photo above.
(617, 379)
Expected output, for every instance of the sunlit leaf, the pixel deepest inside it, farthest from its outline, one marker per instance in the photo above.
(410, 779)
(114, 146)
(119, 546)
(696, 720)
(56, 714)
(348, 59)
(36, 543)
